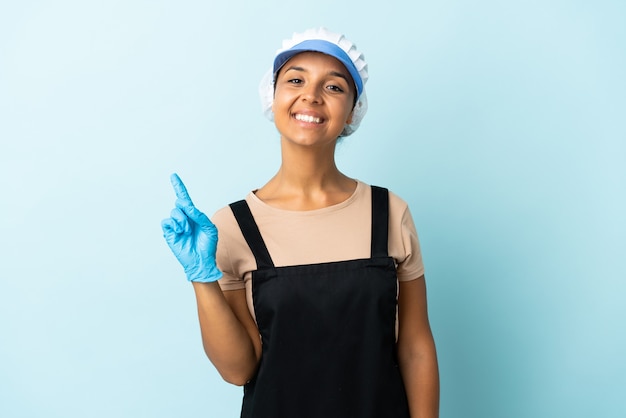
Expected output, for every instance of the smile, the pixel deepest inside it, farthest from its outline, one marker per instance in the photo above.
(307, 118)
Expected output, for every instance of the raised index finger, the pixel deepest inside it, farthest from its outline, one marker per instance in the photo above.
(179, 188)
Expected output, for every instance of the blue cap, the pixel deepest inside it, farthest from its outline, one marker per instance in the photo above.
(325, 47)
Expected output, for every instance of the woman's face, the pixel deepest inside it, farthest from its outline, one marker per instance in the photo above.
(313, 99)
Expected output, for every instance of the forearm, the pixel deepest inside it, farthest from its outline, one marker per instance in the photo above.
(418, 366)
(226, 341)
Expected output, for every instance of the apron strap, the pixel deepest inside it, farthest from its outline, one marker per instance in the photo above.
(380, 221)
(251, 233)
(250, 230)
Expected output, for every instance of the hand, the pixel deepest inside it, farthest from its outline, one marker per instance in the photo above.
(191, 236)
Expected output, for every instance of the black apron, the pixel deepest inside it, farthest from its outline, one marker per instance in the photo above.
(328, 332)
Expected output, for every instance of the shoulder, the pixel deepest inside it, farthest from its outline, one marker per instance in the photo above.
(397, 205)
(223, 215)
(225, 221)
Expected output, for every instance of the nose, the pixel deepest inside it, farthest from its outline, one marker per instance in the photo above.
(312, 93)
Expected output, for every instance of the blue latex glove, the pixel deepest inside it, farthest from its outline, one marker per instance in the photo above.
(191, 236)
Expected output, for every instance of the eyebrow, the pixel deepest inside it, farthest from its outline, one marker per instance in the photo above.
(333, 73)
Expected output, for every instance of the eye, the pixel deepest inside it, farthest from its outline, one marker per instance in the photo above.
(294, 81)
(335, 88)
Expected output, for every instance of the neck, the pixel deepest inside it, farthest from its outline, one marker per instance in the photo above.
(306, 167)
(308, 178)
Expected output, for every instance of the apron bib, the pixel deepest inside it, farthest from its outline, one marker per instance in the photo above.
(328, 332)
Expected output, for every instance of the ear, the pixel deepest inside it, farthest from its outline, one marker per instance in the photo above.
(349, 120)
(274, 92)
(351, 114)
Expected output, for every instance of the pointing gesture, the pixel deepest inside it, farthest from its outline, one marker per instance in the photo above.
(191, 236)
(179, 188)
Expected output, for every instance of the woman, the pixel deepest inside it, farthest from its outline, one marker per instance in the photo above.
(320, 310)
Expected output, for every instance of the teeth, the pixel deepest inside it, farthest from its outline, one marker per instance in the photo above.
(307, 118)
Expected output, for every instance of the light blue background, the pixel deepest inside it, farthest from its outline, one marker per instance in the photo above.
(502, 123)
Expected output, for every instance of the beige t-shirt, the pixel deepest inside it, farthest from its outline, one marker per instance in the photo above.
(335, 233)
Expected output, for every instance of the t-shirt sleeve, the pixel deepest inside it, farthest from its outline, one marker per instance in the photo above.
(409, 259)
(227, 227)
